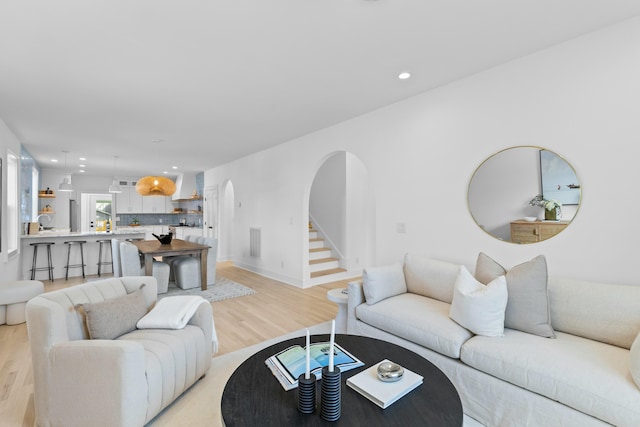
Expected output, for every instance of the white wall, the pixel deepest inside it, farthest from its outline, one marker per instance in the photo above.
(9, 266)
(327, 203)
(579, 99)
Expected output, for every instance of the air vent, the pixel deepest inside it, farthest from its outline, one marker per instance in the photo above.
(255, 237)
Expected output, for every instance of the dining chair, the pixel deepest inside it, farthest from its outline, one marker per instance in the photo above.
(131, 266)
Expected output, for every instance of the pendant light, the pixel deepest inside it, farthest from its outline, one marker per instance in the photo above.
(65, 185)
(115, 187)
(155, 186)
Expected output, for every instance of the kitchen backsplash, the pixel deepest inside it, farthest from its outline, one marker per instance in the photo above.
(159, 219)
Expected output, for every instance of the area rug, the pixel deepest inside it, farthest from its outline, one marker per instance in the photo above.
(200, 405)
(222, 290)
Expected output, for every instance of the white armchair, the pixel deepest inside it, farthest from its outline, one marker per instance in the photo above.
(110, 382)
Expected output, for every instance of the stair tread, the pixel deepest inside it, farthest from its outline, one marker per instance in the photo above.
(319, 249)
(316, 239)
(321, 260)
(327, 272)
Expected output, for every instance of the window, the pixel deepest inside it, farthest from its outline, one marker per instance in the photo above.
(11, 217)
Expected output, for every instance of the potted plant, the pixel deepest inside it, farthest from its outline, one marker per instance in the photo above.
(552, 208)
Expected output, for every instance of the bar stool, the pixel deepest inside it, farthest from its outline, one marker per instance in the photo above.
(34, 264)
(68, 266)
(100, 261)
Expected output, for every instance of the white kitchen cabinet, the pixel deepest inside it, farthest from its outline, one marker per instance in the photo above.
(129, 201)
(182, 232)
(155, 204)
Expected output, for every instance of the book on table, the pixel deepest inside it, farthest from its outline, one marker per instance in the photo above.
(290, 363)
(382, 393)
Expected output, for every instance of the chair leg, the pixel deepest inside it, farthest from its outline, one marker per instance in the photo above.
(82, 259)
(66, 275)
(50, 263)
(99, 259)
(34, 262)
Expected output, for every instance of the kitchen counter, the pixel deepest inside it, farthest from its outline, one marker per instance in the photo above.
(99, 234)
(59, 251)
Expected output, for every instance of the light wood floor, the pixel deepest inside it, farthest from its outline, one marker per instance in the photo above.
(275, 309)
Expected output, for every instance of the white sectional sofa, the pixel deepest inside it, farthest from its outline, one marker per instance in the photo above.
(580, 369)
(123, 380)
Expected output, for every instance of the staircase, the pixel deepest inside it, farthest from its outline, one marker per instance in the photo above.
(323, 266)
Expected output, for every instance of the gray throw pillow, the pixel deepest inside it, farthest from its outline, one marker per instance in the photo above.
(528, 301)
(112, 318)
(381, 283)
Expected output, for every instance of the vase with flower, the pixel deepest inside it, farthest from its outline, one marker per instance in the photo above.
(552, 208)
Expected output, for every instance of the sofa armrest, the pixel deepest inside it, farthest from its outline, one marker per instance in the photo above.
(101, 379)
(203, 318)
(356, 297)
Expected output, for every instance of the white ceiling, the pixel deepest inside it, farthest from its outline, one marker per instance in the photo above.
(216, 80)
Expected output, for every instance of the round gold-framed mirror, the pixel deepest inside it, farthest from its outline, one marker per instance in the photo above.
(524, 194)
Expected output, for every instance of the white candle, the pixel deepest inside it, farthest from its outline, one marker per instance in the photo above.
(331, 344)
(307, 371)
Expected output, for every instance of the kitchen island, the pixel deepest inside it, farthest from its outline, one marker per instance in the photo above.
(59, 251)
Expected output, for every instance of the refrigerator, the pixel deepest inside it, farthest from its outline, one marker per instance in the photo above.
(74, 216)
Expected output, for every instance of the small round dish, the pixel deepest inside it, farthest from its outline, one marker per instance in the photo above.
(530, 218)
(389, 372)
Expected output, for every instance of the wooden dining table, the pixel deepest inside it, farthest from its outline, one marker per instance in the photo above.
(153, 248)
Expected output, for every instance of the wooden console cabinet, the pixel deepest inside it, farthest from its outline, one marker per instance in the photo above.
(535, 231)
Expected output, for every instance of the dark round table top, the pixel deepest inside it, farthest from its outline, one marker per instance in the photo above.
(254, 397)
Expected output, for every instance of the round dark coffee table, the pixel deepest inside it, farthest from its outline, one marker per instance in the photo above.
(254, 397)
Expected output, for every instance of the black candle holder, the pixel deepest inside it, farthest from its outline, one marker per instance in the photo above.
(331, 394)
(307, 394)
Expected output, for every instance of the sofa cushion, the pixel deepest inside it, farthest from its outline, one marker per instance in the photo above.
(635, 360)
(174, 360)
(430, 277)
(383, 282)
(421, 320)
(477, 307)
(599, 311)
(528, 302)
(112, 318)
(587, 375)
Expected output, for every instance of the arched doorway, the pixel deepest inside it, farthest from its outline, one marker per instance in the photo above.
(341, 211)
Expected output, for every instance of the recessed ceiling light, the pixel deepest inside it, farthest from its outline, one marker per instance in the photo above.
(404, 75)
(83, 158)
(54, 160)
(83, 166)
(165, 172)
(174, 167)
(81, 170)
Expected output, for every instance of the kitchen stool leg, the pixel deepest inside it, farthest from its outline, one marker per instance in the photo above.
(34, 262)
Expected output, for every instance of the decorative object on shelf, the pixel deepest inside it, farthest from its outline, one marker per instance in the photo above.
(552, 208)
(115, 187)
(390, 372)
(65, 185)
(135, 221)
(165, 239)
(155, 186)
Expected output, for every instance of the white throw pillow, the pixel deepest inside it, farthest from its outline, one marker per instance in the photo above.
(477, 307)
(383, 282)
(635, 360)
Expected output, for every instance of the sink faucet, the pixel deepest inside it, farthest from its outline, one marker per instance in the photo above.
(38, 219)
